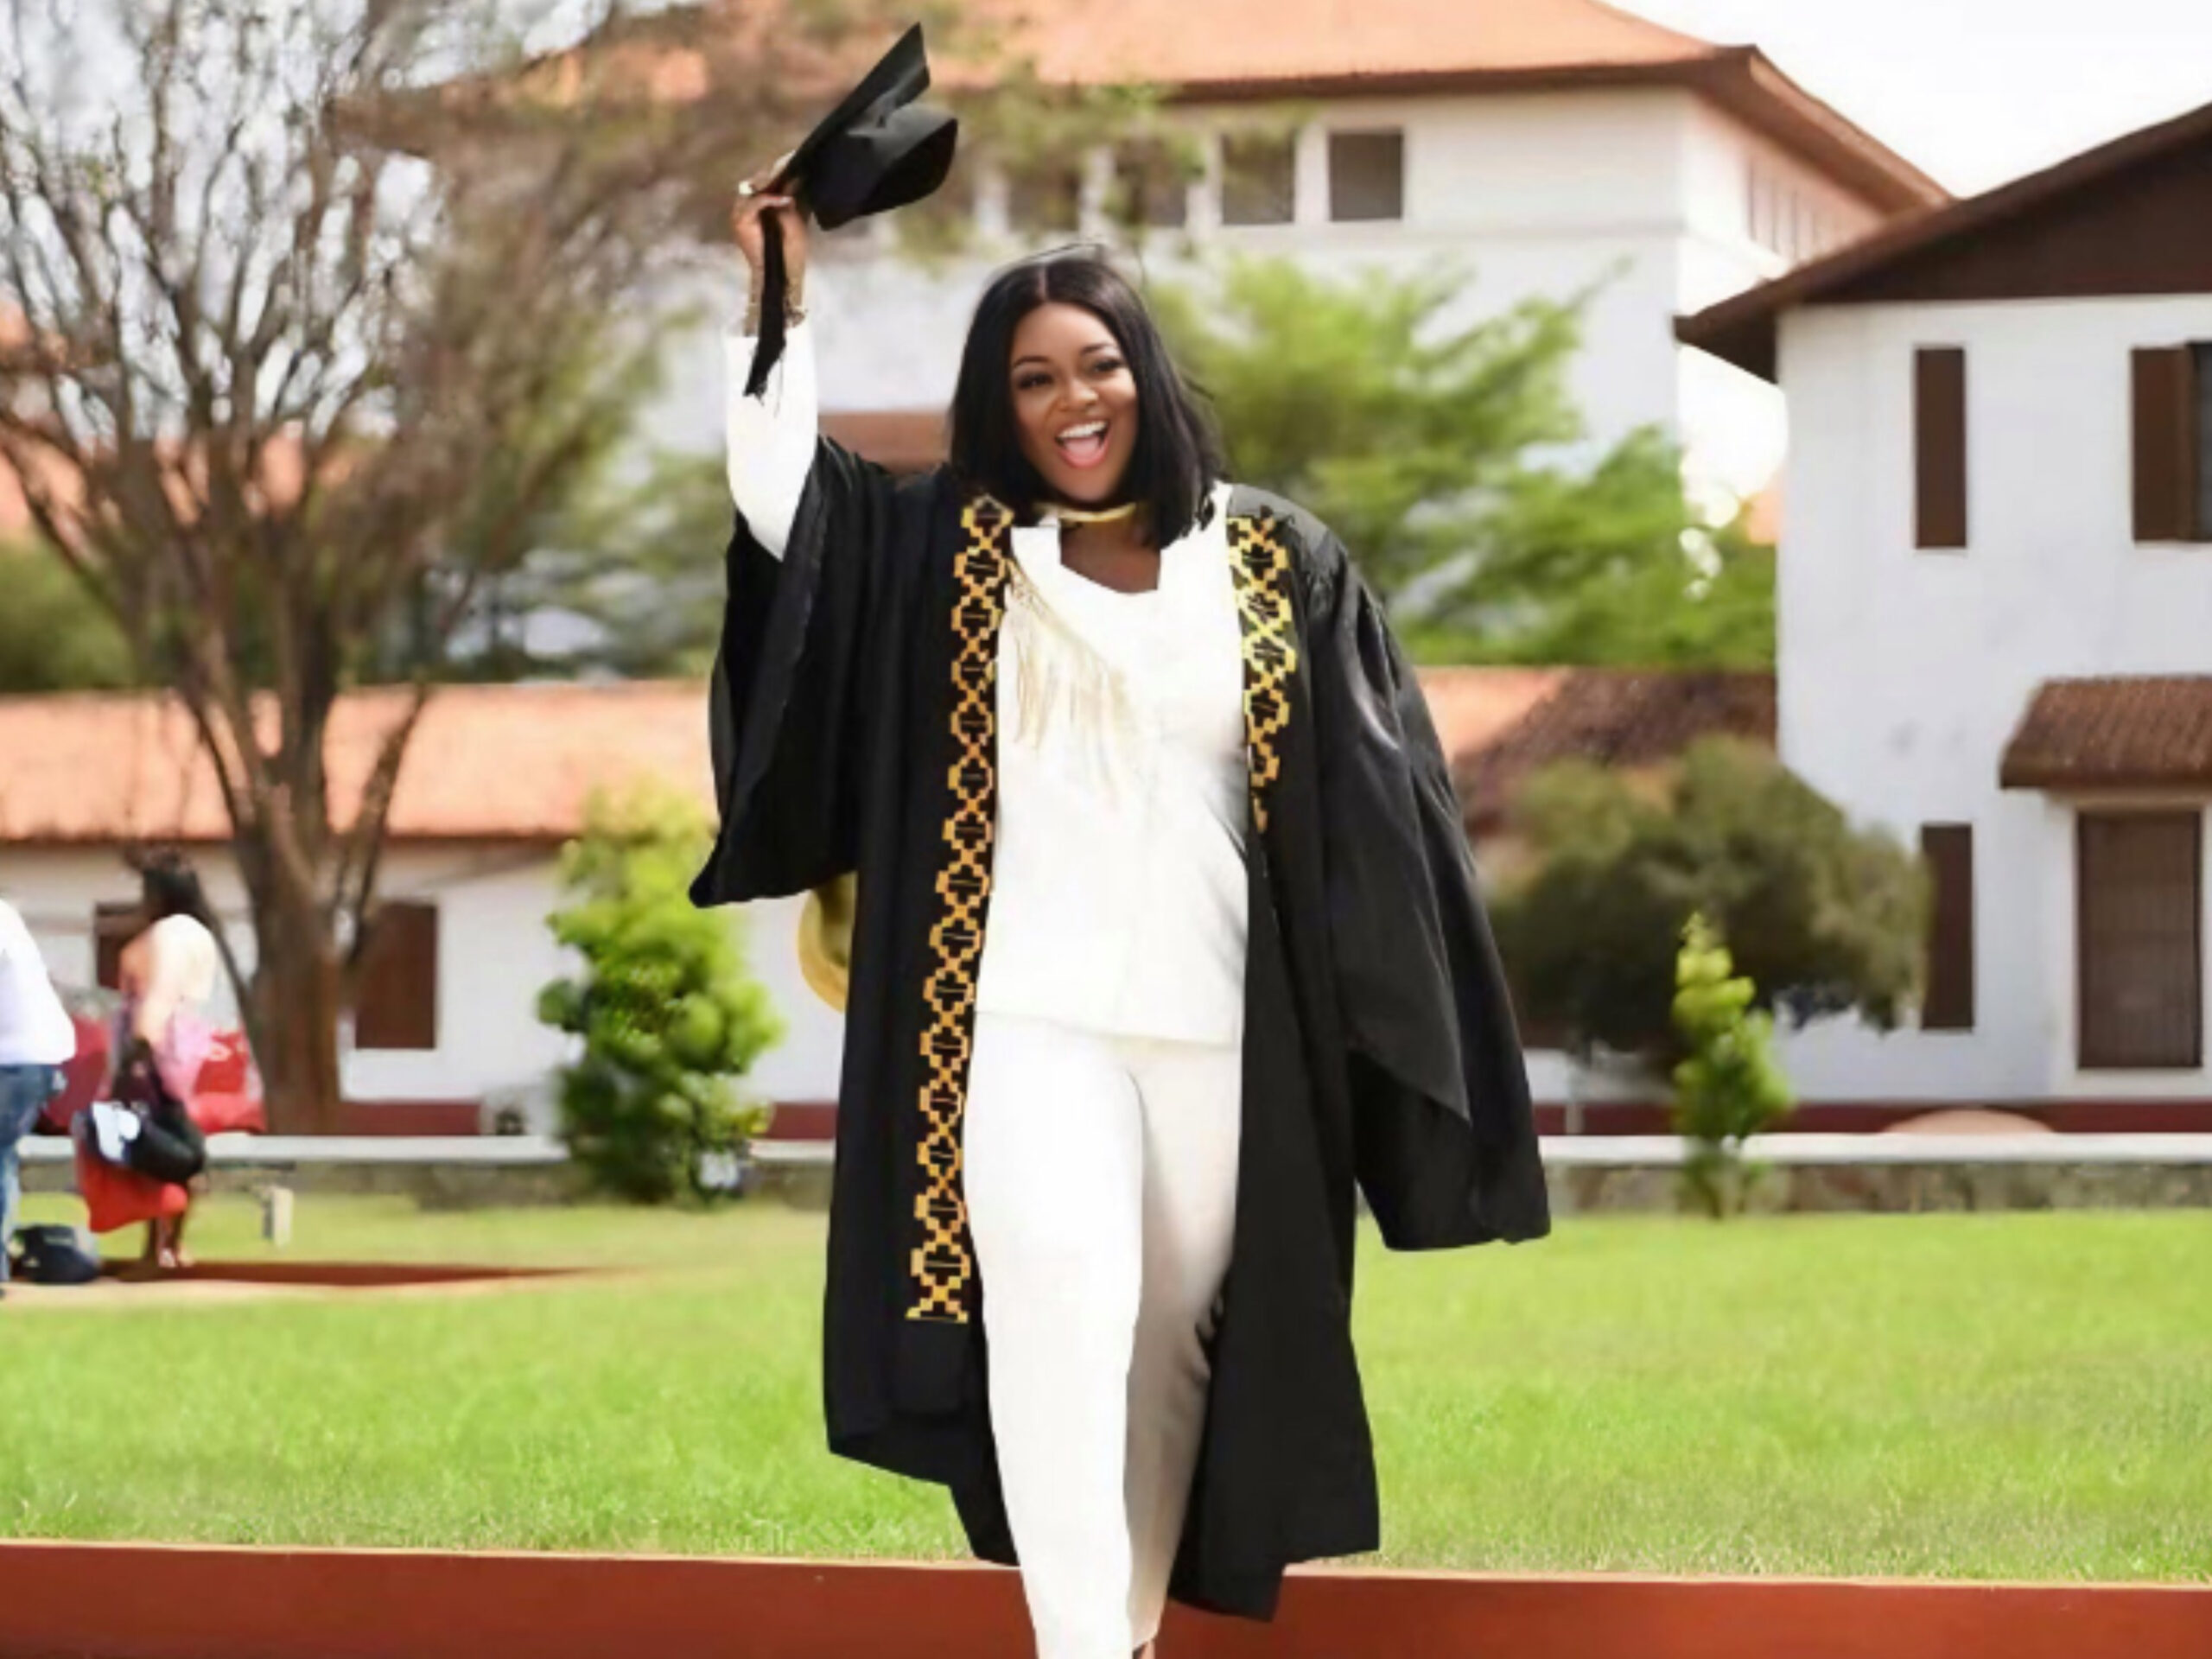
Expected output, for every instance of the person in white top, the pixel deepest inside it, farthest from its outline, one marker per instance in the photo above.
(1164, 925)
(37, 1038)
(167, 974)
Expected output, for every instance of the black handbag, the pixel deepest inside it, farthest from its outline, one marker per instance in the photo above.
(168, 1146)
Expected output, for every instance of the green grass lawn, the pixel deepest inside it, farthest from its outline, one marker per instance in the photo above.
(1975, 1396)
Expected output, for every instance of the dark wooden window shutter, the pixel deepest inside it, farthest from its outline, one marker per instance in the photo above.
(2200, 447)
(2164, 395)
(1946, 1003)
(396, 995)
(1367, 175)
(1939, 436)
(113, 927)
(2139, 939)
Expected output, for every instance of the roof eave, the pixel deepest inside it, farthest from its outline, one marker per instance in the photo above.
(1739, 79)
(1742, 329)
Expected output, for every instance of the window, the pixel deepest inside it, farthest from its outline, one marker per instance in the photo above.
(1045, 196)
(1938, 437)
(2201, 367)
(1259, 179)
(1151, 186)
(2172, 391)
(1367, 175)
(1947, 1000)
(396, 993)
(2139, 949)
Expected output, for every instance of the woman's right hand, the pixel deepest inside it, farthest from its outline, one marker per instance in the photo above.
(746, 215)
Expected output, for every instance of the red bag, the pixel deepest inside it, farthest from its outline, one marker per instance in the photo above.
(115, 1196)
(223, 1099)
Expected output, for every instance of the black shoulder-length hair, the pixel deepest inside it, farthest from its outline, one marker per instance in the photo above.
(1177, 459)
(168, 885)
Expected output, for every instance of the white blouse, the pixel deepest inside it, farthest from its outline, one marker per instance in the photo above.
(1118, 897)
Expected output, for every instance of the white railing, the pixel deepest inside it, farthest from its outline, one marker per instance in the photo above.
(1560, 1152)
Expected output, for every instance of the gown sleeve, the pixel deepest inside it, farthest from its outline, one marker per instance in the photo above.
(803, 652)
(1444, 1136)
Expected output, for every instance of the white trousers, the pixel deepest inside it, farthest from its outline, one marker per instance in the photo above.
(1101, 1181)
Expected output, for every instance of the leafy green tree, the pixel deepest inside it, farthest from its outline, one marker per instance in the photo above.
(55, 636)
(1422, 441)
(1728, 1086)
(1821, 917)
(666, 1010)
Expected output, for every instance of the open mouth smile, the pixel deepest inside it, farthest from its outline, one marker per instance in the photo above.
(1084, 445)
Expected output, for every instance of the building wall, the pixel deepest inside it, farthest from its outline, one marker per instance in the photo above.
(494, 953)
(1642, 192)
(1903, 673)
(1736, 184)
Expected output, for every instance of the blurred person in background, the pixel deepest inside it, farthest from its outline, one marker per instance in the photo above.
(36, 1039)
(167, 976)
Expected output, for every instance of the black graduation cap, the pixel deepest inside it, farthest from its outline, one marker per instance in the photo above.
(873, 152)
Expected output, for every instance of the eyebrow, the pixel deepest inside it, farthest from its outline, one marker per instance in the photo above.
(1095, 346)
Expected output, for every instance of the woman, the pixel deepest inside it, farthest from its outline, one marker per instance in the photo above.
(167, 974)
(1166, 935)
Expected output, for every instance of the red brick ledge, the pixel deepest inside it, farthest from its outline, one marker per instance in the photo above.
(129, 1601)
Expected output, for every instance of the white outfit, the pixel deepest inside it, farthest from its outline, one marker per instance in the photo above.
(186, 953)
(1100, 1144)
(35, 1028)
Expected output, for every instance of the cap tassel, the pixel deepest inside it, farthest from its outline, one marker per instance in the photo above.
(774, 291)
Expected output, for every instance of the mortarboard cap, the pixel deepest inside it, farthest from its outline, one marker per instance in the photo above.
(873, 152)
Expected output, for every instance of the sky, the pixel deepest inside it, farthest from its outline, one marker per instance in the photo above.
(1975, 92)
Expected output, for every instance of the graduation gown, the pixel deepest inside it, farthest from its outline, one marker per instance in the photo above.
(853, 711)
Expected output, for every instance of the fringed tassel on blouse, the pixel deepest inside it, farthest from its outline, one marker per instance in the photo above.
(1060, 678)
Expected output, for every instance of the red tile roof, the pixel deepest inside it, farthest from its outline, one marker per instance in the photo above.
(1216, 42)
(2150, 732)
(516, 762)
(1220, 50)
(905, 440)
(500, 762)
(1615, 717)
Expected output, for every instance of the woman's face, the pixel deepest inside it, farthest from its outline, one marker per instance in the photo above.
(1075, 403)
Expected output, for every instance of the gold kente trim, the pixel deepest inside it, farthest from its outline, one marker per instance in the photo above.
(1261, 562)
(943, 1263)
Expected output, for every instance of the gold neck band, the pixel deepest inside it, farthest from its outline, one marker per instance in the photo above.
(1091, 515)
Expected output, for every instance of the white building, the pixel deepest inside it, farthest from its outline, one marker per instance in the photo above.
(1996, 618)
(1545, 147)
(495, 780)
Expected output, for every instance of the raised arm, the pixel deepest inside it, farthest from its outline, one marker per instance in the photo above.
(772, 437)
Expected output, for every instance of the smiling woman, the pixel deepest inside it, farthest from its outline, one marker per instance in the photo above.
(1164, 936)
(1068, 400)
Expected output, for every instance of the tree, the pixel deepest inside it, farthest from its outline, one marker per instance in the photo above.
(1421, 442)
(53, 636)
(263, 371)
(1823, 918)
(1728, 1086)
(665, 1010)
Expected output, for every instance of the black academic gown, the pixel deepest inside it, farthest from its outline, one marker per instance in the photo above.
(853, 711)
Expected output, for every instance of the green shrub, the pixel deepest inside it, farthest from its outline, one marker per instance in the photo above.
(665, 1008)
(1824, 918)
(1730, 1085)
